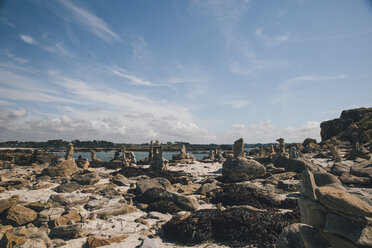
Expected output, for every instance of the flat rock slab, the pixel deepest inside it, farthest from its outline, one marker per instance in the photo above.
(343, 202)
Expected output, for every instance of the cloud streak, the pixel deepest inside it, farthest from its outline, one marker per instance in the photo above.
(94, 24)
(285, 87)
(27, 39)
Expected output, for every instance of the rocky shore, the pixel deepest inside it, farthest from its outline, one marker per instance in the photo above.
(304, 195)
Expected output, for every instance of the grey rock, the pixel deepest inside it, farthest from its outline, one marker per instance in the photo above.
(238, 148)
(87, 178)
(68, 231)
(308, 185)
(185, 202)
(240, 169)
(67, 187)
(347, 178)
(312, 238)
(159, 182)
(323, 179)
(207, 187)
(358, 234)
(339, 168)
(290, 237)
(312, 213)
(339, 200)
(50, 214)
(149, 243)
(299, 164)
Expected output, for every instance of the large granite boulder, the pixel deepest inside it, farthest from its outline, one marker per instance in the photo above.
(62, 168)
(158, 182)
(242, 169)
(353, 125)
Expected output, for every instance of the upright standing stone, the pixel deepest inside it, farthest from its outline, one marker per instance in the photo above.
(238, 148)
(294, 152)
(183, 150)
(281, 145)
(335, 154)
(262, 152)
(69, 151)
(151, 151)
(308, 185)
(272, 150)
(211, 155)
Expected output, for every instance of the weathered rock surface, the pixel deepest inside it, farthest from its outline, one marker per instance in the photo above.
(353, 125)
(162, 183)
(290, 237)
(339, 200)
(87, 178)
(62, 168)
(19, 215)
(359, 234)
(241, 169)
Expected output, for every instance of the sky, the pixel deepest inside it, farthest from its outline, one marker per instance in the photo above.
(199, 71)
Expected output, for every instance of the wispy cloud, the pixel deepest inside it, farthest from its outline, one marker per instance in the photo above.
(132, 79)
(94, 24)
(6, 22)
(27, 39)
(285, 87)
(58, 48)
(271, 40)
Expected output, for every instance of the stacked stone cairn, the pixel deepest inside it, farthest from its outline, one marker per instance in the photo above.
(94, 157)
(183, 156)
(240, 168)
(157, 162)
(330, 216)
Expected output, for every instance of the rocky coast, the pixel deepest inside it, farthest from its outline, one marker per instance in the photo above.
(308, 194)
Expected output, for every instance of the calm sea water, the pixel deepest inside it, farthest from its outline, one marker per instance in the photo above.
(107, 156)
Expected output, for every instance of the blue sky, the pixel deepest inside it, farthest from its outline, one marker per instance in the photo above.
(199, 71)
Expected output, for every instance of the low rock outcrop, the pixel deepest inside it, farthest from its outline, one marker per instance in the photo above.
(354, 125)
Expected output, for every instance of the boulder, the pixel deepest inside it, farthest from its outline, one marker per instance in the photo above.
(347, 178)
(312, 213)
(67, 187)
(87, 178)
(115, 210)
(68, 232)
(241, 169)
(185, 202)
(353, 125)
(323, 179)
(93, 242)
(62, 168)
(290, 237)
(19, 215)
(207, 187)
(362, 170)
(299, 164)
(50, 214)
(8, 203)
(339, 200)
(339, 168)
(149, 243)
(357, 233)
(159, 182)
(31, 237)
(308, 185)
(72, 216)
(312, 238)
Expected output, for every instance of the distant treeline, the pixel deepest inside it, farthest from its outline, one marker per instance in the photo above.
(101, 144)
